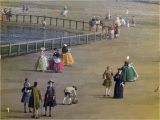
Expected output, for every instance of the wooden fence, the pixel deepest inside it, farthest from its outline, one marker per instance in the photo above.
(58, 22)
(34, 46)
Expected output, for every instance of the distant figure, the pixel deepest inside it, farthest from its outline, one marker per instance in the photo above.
(92, 23)
(117, 21)
(70, 92)
(66, 56)
(26, 94)
(157, 89)
(128, 25)
(35, 100)
(23, 8)
(123, 21)
(27, 9)
(128, 71)
(44, 24)
(108, 17)
(42, 62)
(119, 84)
(9, 13)
(64, 12)
(107, 83)
(133, 21)
(50, 98)
(127, 11)
(111, 30)
(117, 30)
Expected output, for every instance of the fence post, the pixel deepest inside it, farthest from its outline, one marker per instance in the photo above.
(36, 46)
(23, 18)
(50, 20)
(52, 44)
(44, 45)
(19, 49)
(10, 49)
(27, 47)
(2, 16)
(97, 28)
(83, 26)
(76, 25)
(56, 21)
(95, 36)
(9, 19)
(63, 22)
(69, 23)
(79, 39)
(62, 42)
(44, 18)
(16, 18)
(30, 19)
(37, 19)
(87, 39)
(70, 40)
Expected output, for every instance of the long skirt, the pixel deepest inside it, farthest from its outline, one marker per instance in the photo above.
(93, 27)
(34, 103)
(51, 64)
(58, 67)
(130, 74)
(41, 64)
(118, 91)
(111, 34)
(25, 98)
(67, 59)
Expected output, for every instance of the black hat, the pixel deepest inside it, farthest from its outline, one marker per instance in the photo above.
(50, 81)
(75, 87)
(35, 83)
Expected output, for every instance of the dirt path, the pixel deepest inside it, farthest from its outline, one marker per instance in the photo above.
(140, 101)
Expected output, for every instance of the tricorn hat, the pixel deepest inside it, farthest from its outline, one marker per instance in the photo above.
(50, 81)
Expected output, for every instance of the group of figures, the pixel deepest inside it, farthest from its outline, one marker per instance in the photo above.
(25, 8)
(56, 61)
(32, 96)
(114, 28)
(95, 23)
(126, 73)
(6, 14)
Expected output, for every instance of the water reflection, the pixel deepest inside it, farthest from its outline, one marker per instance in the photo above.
(17, 34)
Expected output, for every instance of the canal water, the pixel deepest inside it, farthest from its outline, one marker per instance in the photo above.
(15, 34)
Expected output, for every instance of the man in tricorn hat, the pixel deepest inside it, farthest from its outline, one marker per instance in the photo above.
(50, 98)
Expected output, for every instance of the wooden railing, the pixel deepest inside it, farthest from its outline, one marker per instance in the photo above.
(58, 22)
(34, 46)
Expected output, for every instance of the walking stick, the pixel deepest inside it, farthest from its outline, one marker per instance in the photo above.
(41, 107)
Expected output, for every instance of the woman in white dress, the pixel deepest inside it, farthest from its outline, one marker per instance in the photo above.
(42, 62)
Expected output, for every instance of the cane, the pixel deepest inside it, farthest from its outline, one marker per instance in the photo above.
(41, 107)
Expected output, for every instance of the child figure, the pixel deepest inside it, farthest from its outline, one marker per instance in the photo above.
(107, 76)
